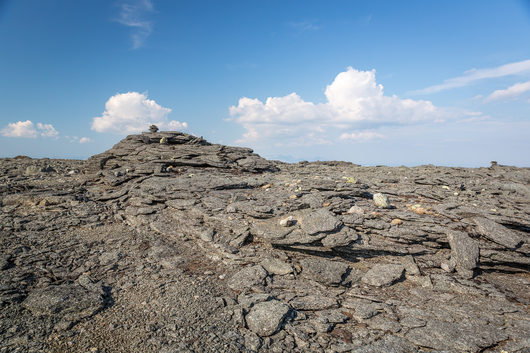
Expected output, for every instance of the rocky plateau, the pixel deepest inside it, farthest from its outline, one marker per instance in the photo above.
(168, 243)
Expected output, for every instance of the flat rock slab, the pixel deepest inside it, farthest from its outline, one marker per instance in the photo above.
(497, 233)
(252, 276)
(320, 221)
(276, 266)
(465, 253)
(70, 302)
(456, 336)
(266, 318)
(324, 271)
(383, 275)
(344, 237)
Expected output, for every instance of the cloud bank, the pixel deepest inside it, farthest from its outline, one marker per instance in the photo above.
(355, 102)
(28, 130)
(512, 92)
(132, 112)
(516, 68)
(131, 15)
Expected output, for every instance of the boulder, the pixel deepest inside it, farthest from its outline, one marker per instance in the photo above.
(266, 318)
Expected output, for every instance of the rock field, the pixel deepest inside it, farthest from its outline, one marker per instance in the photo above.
(167, 243)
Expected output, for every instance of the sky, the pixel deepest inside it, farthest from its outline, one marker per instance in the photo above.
(371, 82)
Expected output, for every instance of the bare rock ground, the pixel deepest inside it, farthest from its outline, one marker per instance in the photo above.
(167, 243)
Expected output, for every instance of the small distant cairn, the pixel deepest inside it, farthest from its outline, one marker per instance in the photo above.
(493, 164)
(153, 128)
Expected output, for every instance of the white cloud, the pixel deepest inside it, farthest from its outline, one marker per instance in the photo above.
(27, 129)
(20, 129)
(85, 140)
(361, 136)
(47, 130)
(511, 92)
(470, 76)
(354, 101)
(131, 15)
(132, 112)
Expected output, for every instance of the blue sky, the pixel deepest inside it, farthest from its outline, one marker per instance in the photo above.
(372, 82)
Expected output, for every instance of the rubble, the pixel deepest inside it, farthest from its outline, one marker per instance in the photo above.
(167, 242)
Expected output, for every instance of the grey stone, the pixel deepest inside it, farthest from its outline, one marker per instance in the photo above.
(207, 235)
(363, 309)
(248, 277)
(253, 341)
(465, 252)
(383, 275)
(320, 221)
(276, 266)
(247, 301)
(497, 233)
(458, 336)
(266, 318)
(324, 271)
(410, 265)
(343, 238)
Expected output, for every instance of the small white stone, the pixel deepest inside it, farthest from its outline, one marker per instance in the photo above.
(381, 200)
(287, 222)
(355, 210)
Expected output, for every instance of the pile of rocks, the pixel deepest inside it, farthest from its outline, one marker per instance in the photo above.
(323, 256)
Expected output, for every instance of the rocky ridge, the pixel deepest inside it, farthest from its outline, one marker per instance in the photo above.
(169, 243)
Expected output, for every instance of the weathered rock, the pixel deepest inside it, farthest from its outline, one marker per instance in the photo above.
(343, 238)
(160, 227)
(266, 318)
(381, 201)
(465, 252)
(410, 265)
(497, 233)
(324, 271)
(248, 277)
(383, 274)
(276, 266)
(320, 221)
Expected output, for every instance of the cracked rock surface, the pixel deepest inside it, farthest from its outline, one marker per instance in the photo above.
(168, 243)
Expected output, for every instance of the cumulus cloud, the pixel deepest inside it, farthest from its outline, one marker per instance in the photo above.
(29, 130)
(47, 130)
(132, 112)
(470, 76)
(85, 140)
(511, 92)
(132, 15)
(354, 101)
